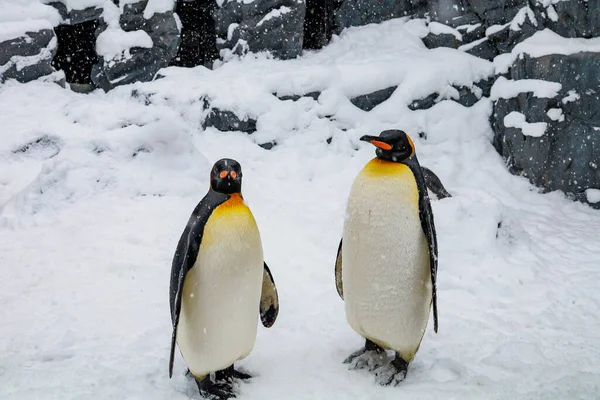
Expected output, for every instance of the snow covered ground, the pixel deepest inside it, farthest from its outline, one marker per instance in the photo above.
(96, 189)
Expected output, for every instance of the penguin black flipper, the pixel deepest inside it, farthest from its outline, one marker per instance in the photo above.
(338, 271)
(434, 183)
(426, 215)
(269, 300)
(185, 257)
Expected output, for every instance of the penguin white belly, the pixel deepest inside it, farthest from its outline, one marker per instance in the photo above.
(385, 273)
(221, 293)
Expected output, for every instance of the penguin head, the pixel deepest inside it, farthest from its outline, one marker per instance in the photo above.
(226, 176)
(392, 145)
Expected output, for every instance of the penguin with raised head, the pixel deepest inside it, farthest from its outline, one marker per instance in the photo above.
(220, 285)
(386, 264)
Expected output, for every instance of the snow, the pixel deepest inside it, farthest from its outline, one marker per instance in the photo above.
(543, 43)
(506, 88)
(115, 43)
(157, 7)
(95, 190)
(571, 96)
(556, 114)
(15, 29)
(522, 15)
(278, 12)
(439, 29)
(21, 10)
(79, 4)
(593, 195)
(517, 120)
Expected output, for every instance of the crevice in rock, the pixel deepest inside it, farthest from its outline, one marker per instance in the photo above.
(76, 51)
(318, 23)
(198, 33)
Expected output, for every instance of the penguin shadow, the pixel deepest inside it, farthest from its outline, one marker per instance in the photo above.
(379, 364)
(227, 383)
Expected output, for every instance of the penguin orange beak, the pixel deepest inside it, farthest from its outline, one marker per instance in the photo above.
(376, 141)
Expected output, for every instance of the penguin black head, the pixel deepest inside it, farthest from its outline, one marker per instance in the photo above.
(226, 176)
(392, 145)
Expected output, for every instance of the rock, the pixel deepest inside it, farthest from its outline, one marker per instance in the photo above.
(296, 97)
(198, 35)
(74, 16)
(136, 63)
(369, 101)
(433, 41)
(27, 52)
(566, 156)
(496, 12)
(467, 96)
(363, 12)
(318, 23)
(224, 120)
(454, 13)
(76, 51)
(276, 26)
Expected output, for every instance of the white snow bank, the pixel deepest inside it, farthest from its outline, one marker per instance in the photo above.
(505, 89)
(438, 29)
(278, 12)
(78, 4)
(543, 43)
(157, 7)
(116, 42)
(21, 10)
(556, 114)
(571, 96)
(593, 195)
(517, 120)
(15, 29)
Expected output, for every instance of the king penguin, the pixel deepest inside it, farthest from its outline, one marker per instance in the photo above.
(219, 285)
(386, 263)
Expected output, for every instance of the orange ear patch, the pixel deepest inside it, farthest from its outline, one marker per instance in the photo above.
(233, 174)
(381, 145)
(223, 174)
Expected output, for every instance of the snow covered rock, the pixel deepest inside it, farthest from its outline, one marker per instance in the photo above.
(363, 12)
(560, 91)
(276, 26)
(134, 42)
(26, 50)
(224, 120)
(369, 101)
(77, 12)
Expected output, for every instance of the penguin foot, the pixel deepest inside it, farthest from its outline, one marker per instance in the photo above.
(393, 373)
(229, 374)
(370, 357)
(214, 391)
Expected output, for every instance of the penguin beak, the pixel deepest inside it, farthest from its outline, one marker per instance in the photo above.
(377, 142)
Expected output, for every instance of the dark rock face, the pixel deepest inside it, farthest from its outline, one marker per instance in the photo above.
(369, 101)
(224, 120)
(318, 23)
(74, 17)
(144, 63)
(198, 36)
(28, 57)
(276, 26)
(566, 157)
(76, 51)
(362, 12)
